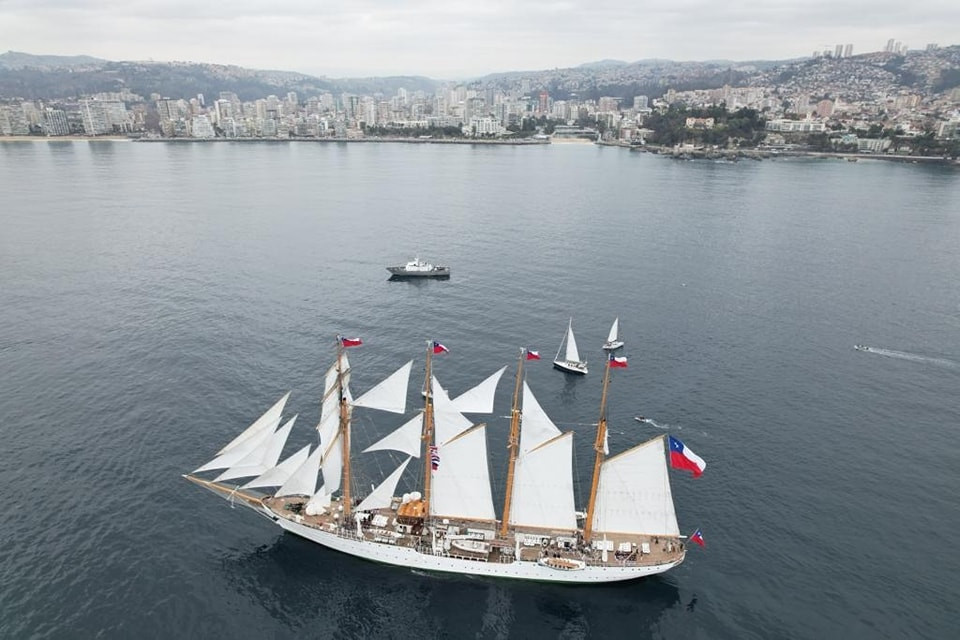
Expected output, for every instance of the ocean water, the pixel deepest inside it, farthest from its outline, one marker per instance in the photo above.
(156, 298)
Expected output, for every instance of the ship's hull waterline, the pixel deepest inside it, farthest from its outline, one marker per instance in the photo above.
(410, 558)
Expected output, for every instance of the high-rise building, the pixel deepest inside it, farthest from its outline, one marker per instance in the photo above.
(889, 47)
(838, 51)
(55, 122)
(640, 102)
(848, 51)
(95, 121)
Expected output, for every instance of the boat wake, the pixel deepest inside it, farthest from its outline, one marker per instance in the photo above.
(912, 357)
(657, 425)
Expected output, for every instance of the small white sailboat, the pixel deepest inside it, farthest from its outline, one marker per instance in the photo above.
(571, 362)
(613, 338)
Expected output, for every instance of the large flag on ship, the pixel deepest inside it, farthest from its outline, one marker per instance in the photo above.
(533, 355)
(350, 342)
(439, 348)
(681, 457)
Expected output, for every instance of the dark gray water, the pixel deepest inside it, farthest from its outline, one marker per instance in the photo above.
(155, 298)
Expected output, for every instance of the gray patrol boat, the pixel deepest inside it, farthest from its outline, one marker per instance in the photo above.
(417, 268)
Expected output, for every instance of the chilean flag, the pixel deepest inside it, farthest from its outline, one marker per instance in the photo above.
(350, 342)
(618, 361)
(683, 458)
(533, 355)
(697, 536)
(439, 348)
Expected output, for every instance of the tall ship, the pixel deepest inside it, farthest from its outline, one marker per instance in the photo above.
(628, 529)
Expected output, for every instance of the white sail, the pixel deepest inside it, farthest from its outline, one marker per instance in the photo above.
(330, 404)
(480, 398)
(461, 485)
(634, 493)
(614, 334)
(447, 421)
(267, 422)
(536, 426)
(543, 486)
(331, 399)
(331, 451)
(405, 439)
(262, 458)
(332, 463)
(389, 395)
(279, 474)
(238, 452)
(572, 354)
(383, 494)
(303, 481)
(317, 502)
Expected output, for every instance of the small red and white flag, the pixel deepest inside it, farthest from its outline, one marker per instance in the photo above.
(618, 361)
(697, 536)
(434, 458)
(439, 348)
(350, 342)
(533, 355)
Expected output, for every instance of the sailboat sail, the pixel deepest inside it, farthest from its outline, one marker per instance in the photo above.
(279, 474)
(389, 395)
(537, 425)
(238, 452)
(572, 354)
(261, 459)
(332, 463)
(543, 486)
(405, 439)
(447, 421)
(461, 482)
(480, 398)
(267, 422)
(382, 496)
(634, 493)
(303, 481)
(614, 334)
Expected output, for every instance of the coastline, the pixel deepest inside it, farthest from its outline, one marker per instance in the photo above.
(484, 141)
(735, 155)
(65, 139)
(722, 155)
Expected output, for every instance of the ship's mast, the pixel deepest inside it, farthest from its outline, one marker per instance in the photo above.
(344, 432)
(598, 446)
(513, 444)
(427, 434)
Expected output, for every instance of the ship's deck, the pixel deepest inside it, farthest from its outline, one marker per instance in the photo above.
(382, 526)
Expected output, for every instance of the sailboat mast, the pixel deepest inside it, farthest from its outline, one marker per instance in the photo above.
(344, 432)
(427, 435)
(512, 444)
(598, 446)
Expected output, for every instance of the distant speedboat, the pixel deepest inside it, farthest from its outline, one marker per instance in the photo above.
(613, 339)
(860, 347)
(571, 362)
(417, 268)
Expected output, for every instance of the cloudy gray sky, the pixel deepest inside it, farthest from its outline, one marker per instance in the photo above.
(453, 39)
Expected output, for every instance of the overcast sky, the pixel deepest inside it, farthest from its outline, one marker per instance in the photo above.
(454, 39)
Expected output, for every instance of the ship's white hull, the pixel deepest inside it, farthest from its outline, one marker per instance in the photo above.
(412, 559)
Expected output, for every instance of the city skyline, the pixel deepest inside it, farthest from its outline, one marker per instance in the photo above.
(458, 40)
